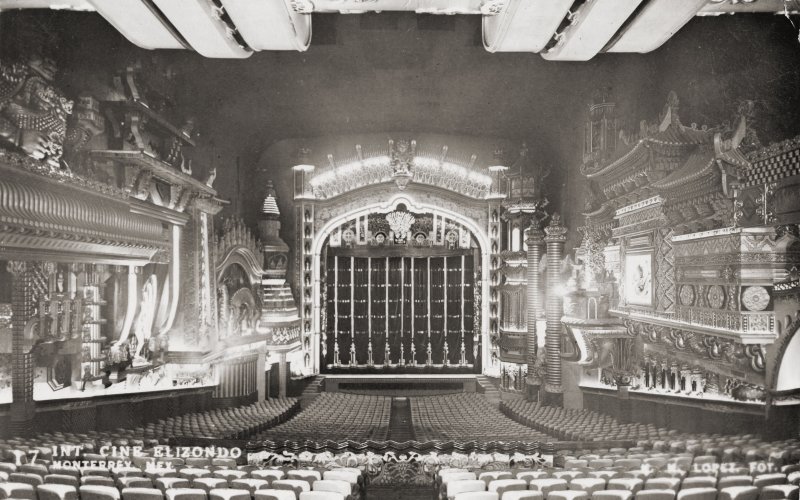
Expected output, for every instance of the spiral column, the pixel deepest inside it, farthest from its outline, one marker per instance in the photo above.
(534, 241)
(555, 236)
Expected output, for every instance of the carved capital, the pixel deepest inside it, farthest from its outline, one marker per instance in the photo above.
(185, 197)
(48, 268)
(142, 184)
(555, 231)
(535, 236)
(16, 267)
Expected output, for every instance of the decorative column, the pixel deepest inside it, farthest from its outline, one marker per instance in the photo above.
(555, 238)
(282, 375)
(22, 307)
(534, 241)
(261, 381)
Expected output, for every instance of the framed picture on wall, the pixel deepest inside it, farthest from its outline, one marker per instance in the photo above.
(638, 280)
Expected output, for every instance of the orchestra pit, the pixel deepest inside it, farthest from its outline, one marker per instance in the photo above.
(398, 250)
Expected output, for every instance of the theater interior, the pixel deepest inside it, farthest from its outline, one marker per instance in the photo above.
(399, 249)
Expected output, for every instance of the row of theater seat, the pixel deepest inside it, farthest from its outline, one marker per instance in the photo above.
(616, 483)
(230, 423)
(466, 417)
(697, 449)
(337, 417)
(322, 490)
(585, 425)
(576, 424)
(226, 423)
(167, 480)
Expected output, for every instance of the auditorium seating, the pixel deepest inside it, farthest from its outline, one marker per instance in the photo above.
(585, 425)
(466, 417)
(229, 423)
(662, 464)
(337, 417)
(635, 474)
(576, 425)
(187, 482)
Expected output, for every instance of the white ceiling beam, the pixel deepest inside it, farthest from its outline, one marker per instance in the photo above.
(80, 5)
(270, 24)
(197, 22)
(137, 23)
(419, 6)
(715, 8)
(594, 24)
(655, 24)
(523, 25)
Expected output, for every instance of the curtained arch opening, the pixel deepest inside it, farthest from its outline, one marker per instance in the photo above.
(428, 206)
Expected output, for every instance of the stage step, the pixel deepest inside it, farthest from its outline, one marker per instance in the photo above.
(401, 426)
(489, 388)
(312, 390)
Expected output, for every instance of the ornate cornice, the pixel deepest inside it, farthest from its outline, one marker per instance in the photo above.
(635, 207)
(155, 167)
(46, 217)
(25, 163)
(773, 150)
(743, 327)
(696, 344)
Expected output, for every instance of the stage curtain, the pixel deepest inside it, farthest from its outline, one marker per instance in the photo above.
(344, 313)
(360, 310)
(421, 310)
(408, 319)
(329, 311)
(437, 309)
(368, 288)
(453, 297)
(378, 301)
(395, 308)
(469, 307)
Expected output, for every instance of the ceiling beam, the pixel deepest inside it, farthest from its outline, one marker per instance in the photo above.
(138, 23)
(655, 24)
(523, 25)
(718, 7)
(593, 25)
(201, 25)
(270, 25)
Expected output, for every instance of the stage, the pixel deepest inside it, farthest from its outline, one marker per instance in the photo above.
(402, 384)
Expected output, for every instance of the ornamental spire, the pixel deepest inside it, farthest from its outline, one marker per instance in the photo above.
(270, 206)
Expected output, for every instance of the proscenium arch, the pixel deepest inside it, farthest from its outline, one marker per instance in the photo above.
(412, 206)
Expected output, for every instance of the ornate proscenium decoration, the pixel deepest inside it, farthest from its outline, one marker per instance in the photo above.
(400, 222)
(401, 158)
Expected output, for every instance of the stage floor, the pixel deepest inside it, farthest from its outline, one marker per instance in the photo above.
(401, 384)
(404, 376)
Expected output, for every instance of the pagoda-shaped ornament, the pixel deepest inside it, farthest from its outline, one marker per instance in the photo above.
(279, 316)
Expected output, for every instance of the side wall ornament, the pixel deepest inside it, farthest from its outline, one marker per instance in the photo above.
(33, 112)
